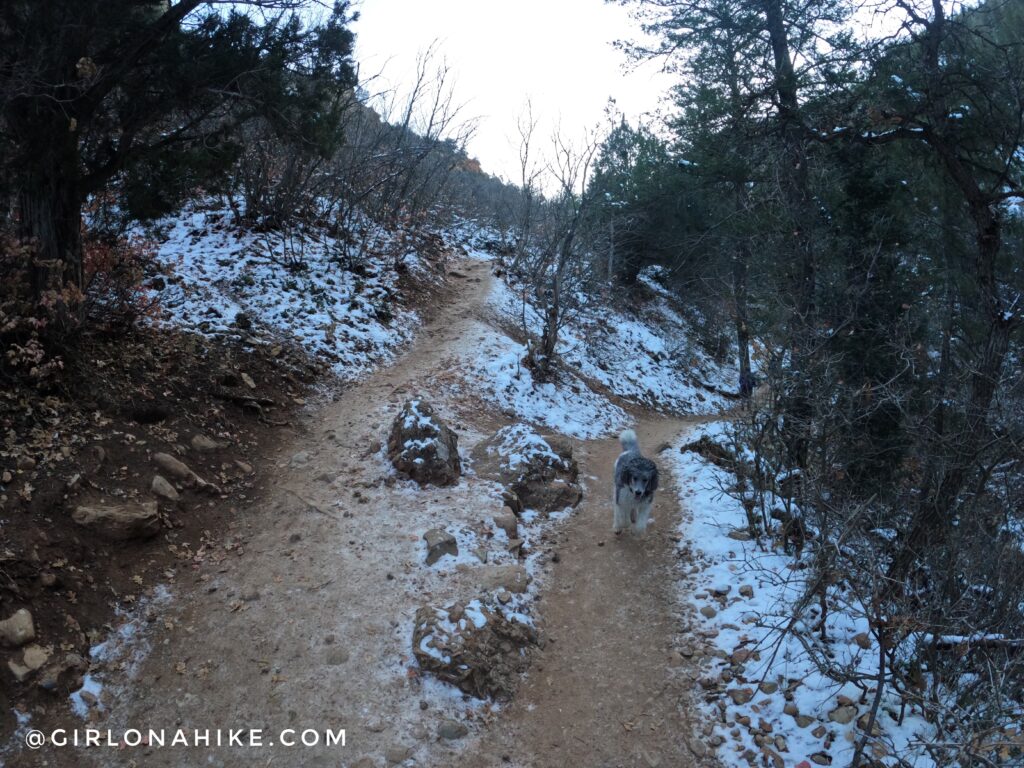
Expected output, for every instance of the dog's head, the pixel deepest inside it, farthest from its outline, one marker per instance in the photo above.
(642, 478)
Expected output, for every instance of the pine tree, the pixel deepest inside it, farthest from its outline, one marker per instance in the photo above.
(92, 90)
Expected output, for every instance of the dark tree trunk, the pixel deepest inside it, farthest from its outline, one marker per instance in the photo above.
(739, 286)
(955, 452)
(49, 196)
(796, 194)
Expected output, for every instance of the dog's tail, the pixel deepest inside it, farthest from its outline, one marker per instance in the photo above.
(628, 441)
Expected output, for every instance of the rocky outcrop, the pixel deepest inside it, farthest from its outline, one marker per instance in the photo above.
(472, 647)
(538, 471)
(424, 448)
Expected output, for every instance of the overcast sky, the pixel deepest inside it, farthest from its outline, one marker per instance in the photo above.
(557, 53)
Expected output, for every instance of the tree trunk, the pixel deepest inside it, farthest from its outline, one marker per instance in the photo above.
(795, 190)
(956, 452)
(49, 199)
(741, 259)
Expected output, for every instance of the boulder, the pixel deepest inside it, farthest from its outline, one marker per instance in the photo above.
(203, 443)
(481, 652)
(507, 521)
(33, 658)
(64, 675)
(538, 471)
(451, 730)
(741, 695)
(439, 544)
(120, 522)
(843, 714)
(173, 467)
(18, 629)
(422, 447)
(511, 578)
(162, 487)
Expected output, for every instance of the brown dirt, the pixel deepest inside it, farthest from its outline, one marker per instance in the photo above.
(608, 690)
(123, 399)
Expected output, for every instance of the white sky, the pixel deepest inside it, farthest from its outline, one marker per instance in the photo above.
(557, 53)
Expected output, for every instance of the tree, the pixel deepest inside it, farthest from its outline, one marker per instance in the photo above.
(93, 90)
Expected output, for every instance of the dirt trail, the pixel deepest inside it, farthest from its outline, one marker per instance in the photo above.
(608, 690)
(303, 617)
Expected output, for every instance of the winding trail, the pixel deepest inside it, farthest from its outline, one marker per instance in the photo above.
(301, 617)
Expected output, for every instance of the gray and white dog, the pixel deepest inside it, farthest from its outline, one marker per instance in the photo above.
(636, 480)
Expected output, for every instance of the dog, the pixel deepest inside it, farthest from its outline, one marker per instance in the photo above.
(636, 480)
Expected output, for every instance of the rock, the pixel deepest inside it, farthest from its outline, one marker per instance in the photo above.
(439, 544)
(35, 656)
(481, 653)
(504, 597)
(244, 466)
(741, 695)
(18, 629)
(791, 709)
(48, 579)
(336, 657)
(803, 721)
(767, 686)
(299, 460)
(422, 447)
(397, 753)
(511, 578)
(539, 472)
(203, 443)
(862, 640)
(708, 612)
(64, 675)
(452, 730)
(739, 534)
(512, 502)
(507, 521)
(173, 467)
(741, 656)
(862, 723)
(821, 758)
(819, 732)
(247, 380)
(747, 591)
(162, 487)
(843, 714)
(120, 522)
(698, 747)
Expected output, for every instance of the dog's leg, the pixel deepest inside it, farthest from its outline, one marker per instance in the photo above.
(643, 516)
(619, 519)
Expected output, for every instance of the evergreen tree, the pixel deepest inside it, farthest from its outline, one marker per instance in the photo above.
(151, 91)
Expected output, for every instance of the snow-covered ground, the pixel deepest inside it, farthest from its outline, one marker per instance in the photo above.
(297, 287)
(645, 355)
(776, 702)
(493, 365)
